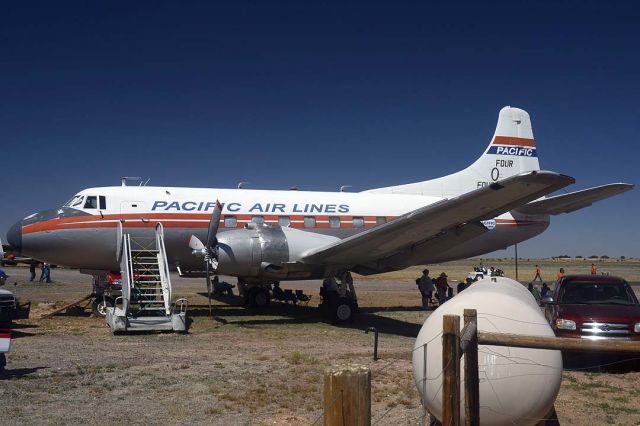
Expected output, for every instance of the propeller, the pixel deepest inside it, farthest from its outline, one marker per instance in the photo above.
(210, 249)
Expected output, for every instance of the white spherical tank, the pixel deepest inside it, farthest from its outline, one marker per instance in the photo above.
(517, 385)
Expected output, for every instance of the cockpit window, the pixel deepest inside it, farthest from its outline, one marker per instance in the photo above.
(103, 202)
(76, 200)
(91, 203)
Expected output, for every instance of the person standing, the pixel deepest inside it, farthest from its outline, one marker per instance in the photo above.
(425, 285)
(442, 285)
(594, 270)
(32, 269)
(535, 292)
(46, 270)
(537, 277)
(544, 291)
(560, 274)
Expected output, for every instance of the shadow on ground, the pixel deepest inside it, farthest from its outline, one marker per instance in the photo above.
(18, 373)
(235, 313)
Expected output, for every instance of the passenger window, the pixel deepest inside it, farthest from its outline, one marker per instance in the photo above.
(358, 222)
(284, 220)
(257, 219)
(380, 220)
(91, 203)
(309, 222)
(334, 222)
(103, 203)
(230, 222)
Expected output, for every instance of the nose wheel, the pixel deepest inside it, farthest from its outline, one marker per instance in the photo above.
(100, 305)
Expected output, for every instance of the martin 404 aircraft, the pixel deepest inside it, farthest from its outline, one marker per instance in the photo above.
(265, 236)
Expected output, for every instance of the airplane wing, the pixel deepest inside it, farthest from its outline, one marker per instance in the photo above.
(439, 218)
(567, 203)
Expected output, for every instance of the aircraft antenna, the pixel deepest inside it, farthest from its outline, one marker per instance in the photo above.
(242, 184)
(124, 179)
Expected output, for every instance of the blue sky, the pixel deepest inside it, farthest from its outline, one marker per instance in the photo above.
(318, 95)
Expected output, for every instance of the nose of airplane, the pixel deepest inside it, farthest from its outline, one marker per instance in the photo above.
(14, 236)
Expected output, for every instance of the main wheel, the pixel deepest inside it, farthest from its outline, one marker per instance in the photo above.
(100, 305)
(258, 298)
(344, 310)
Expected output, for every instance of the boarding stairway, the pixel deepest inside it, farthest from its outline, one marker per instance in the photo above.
(145, 304)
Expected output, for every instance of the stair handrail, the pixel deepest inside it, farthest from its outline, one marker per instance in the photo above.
(126, 269)
(181, 305)
(163, 267)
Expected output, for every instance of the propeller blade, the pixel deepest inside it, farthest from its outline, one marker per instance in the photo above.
(195, 243)
(213, 225)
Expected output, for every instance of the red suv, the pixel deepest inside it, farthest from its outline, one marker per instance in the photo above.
(593, 307)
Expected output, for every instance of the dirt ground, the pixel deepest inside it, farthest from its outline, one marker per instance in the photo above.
(247, 367)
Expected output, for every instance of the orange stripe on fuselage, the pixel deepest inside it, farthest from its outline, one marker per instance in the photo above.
(183, 220)
(510, 140)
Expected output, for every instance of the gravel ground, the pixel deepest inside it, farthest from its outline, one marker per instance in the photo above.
(241, 367)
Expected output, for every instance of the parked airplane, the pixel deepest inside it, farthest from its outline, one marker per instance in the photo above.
(264, 236)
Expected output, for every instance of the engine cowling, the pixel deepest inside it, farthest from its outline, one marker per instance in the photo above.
(265, 251)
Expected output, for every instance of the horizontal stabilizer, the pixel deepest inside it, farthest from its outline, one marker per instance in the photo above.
(441, 217)
(567, 203)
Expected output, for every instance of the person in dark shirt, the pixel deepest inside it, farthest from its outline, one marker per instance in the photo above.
(32, 269)
(544, 291)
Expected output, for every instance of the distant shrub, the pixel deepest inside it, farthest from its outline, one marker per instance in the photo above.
(604, 256)
(593, 256)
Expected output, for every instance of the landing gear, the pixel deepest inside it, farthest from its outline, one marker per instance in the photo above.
(339, 301)
(257, 297)
(345, 309)
(100, 305)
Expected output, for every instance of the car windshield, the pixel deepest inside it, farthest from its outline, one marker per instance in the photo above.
(597, 293)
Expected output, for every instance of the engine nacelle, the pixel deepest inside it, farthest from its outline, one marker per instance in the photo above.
(264, 251)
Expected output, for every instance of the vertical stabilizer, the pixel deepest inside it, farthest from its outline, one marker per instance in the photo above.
(512, 150)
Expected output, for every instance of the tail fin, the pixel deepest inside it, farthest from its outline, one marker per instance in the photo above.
(512, 151)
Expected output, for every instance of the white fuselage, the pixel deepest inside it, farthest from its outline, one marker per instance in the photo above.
(83, 234)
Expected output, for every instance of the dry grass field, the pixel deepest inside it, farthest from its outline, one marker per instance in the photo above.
(247, 367)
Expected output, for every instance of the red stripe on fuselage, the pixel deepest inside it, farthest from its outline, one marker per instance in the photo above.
(201, 220)
(185, 220)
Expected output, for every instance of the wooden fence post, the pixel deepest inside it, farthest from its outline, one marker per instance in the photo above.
(471, 379)
(347, 396)
(451, 370)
